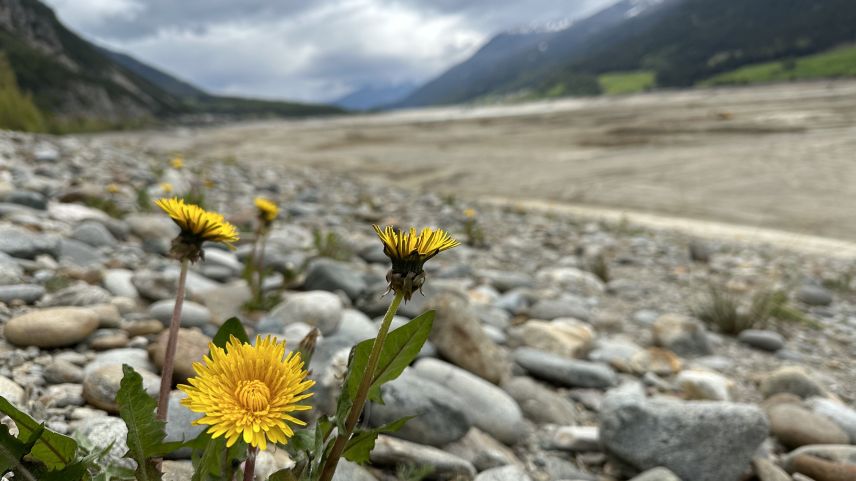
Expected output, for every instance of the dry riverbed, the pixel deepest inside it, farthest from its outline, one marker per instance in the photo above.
(778, 157)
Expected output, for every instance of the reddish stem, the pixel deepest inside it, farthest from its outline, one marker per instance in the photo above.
(171, 345)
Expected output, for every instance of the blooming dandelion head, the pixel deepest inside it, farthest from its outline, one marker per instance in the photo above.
(249, 392)
(113, 188)
(408, 252)
(166, 187)
(470, 213)
(268, 210)
(177, 162)
(197, 226)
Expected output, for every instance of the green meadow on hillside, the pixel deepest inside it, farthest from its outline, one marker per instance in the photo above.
(618, 83)
(17, 110)
(836, 63)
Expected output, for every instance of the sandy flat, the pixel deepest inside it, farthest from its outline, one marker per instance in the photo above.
(779, 157)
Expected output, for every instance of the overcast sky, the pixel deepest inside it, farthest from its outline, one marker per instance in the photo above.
(312, 50)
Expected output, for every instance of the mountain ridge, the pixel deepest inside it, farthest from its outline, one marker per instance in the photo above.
(77, 84)
(680, 42)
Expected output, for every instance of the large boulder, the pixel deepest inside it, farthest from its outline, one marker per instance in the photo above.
(697, 440)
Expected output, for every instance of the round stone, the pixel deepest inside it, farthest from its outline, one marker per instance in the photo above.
(490, 408)
(101, 385)
(93, 234)
(192, 314)
(192, 346)
(11, 391)
(814, 295)
(321, 309)
(57, 327)
(27, 293)
(796, 426)
(762, 339)
(794, 380)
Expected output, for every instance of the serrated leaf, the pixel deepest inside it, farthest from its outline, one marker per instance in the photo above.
(303, 440)
(232, 327)
(359, 447)
(207, 463)
(52, 449)
(212, 460)
(13, 450)
(72, 472)
(145, 432)
(401, 347)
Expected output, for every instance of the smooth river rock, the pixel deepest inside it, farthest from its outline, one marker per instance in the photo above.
(56, 327)
(697, 440)
(563, 371)
(459, 337)
(490, 408)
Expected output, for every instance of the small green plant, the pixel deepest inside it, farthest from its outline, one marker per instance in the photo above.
(329, 244)
(473, 230)
(729, 315)
(196, 195)
(842, 282)
(413, 472)
(144, 200)
(263, 302)
(108, 206)
(721, 309)
(58, 283)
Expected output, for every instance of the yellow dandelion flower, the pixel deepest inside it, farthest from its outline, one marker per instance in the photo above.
(197, 226)
(166, 187)
(177, 162)
(112, 188)
(408, 252)
(470, 213)
(268, 210)
(248, 392)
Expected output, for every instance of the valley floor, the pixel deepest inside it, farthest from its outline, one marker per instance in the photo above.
(778, 156)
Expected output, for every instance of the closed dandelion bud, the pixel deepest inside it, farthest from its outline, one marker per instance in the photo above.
(307, 346)
(408, 252)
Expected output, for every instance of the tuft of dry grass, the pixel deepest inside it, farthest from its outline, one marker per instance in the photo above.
(730, 315)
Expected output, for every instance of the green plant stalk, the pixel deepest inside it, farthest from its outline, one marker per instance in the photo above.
(260, 266)
(254, 265)
(171, 344)
(250, 465)
(362, 392)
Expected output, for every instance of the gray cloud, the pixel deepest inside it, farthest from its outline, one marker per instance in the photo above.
(312, 50)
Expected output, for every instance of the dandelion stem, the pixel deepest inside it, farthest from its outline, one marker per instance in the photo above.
(362, 392)
(171, 344)
(260, 266)
(253, 264)
(250, 465)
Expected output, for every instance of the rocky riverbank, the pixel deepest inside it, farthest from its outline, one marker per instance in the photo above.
(562, 349)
